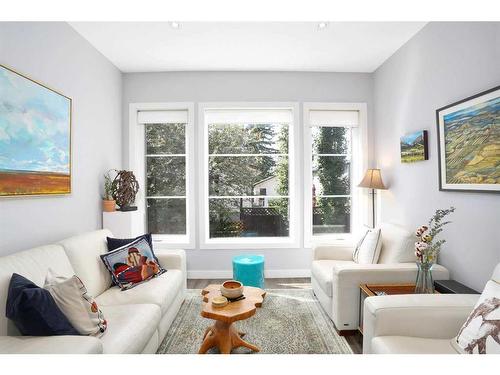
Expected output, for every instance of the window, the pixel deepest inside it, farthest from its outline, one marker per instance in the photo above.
(333, 163)
(247, 164)
(162, 144)
(331, 179)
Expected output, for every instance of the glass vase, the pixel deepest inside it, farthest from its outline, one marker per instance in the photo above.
(424, 283)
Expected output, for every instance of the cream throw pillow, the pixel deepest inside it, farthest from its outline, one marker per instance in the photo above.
(481, 332)
(368, 249)
(79, 307)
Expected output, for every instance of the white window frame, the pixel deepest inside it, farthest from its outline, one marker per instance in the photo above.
(294, 150)
(136, 162)
(359, 165)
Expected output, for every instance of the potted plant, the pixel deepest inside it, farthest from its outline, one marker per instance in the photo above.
(108, 202)
(427, 249)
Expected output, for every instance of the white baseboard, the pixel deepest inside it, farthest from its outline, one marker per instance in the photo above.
(227, 274)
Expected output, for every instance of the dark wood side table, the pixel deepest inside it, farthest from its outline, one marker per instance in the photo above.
(452, 287)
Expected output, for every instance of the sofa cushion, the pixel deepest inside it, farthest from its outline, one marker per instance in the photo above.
(411, 345)
(130, 327)
(50, 345)
(84, 254)
(160, 291)
(322, 271)
(32, 264)
(34, 311)
(397, 245)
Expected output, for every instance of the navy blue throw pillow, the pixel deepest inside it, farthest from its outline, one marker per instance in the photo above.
(34, 311)
(115, 243)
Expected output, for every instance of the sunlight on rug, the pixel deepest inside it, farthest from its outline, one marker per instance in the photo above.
(291, 321)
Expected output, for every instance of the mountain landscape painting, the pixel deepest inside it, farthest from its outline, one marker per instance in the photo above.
(469, 143)
(414, 147)
(35, 137)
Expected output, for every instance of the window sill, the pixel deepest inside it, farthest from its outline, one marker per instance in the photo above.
(249, 243)
(172, 242)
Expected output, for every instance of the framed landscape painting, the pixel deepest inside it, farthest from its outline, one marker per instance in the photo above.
(35, 137)
(414, 147)
(469, 143)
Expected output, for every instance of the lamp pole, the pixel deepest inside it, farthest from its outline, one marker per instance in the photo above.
(373, 181)
(373, 208)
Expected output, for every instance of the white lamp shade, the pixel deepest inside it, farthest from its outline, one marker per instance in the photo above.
(372, 180)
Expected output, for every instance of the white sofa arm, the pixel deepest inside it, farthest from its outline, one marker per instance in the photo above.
(173, 259)
(333, 252)
(50, 345)
(438, 316)
(348, 277)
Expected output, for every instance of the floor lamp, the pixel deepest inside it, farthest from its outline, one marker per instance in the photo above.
(373, 180)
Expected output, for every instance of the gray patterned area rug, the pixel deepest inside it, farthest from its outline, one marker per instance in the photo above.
(289, 322)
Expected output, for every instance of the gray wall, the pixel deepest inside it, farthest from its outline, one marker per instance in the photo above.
(245, 86)
(443, 63)
(53, 53)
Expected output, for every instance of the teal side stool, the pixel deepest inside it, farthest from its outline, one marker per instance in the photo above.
(249, 270)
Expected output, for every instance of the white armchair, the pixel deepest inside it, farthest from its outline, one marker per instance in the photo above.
(417, 324)
(414, 324)
(335, 277)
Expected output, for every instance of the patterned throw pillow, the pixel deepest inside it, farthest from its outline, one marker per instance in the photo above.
(481, 332)
(80, 308)
(132, 264)
(115, 243)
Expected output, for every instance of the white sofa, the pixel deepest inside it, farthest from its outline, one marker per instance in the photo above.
(416, 324)
(138, 319)
(335, 277)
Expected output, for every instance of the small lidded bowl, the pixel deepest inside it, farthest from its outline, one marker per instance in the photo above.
(231, 289)
(219, 301)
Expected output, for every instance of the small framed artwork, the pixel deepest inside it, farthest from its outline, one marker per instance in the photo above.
(35, 137)
(469, 143)
(414, 147)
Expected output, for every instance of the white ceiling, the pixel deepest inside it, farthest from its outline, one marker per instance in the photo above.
(247, 46)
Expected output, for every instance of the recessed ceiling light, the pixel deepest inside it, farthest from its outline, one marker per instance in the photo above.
(175, 25)
(322, 25)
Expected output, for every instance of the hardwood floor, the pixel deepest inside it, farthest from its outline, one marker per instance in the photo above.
(289, 283)
(354, 341)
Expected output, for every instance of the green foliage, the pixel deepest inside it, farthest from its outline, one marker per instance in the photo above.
(331, 172)
(436, 225)
(428, 247)
(165, 138)
(108, 185)
(282, 172)
(165, 175)
(237, 175)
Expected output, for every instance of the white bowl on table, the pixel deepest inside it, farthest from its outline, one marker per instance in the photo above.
(231, 289)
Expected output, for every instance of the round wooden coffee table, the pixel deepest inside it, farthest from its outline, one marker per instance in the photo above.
(223, 334)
